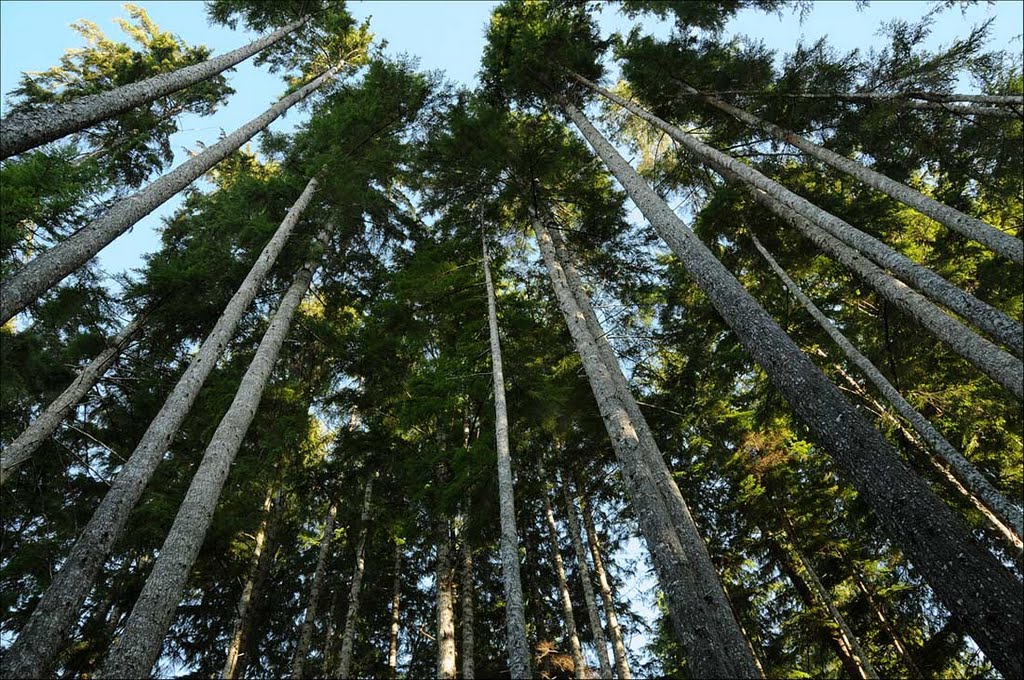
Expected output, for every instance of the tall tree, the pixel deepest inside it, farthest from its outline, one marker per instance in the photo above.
(313, 597)
(356, 584)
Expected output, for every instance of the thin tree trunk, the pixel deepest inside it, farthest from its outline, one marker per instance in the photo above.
(878, 610)
(22, 448)
(600, 642)
(38, 276)
(1002, 511)
(445, 586)
(971, 227)
(313, 600)
(984, 316)
(701, 613)
(58, 609)
(607, 596)
(356, 586)
(233, 665)
(963, 574)
(396, 594)
(138, 648)
(466, 597)
(515, 617)
(23, 131)
(580, 669)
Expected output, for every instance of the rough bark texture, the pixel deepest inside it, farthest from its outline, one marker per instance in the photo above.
(984, 316)
(573, 522)
(356, 586)
(515, 617)
(703, 619)
(313, 599)
(445, 586)
(466, 597)
(580, 669)
(971, 227)
(47, 270)
(138, 648)
(22, 448)
(23, 131)
(396, 600)
(961, 468)
(607, 597)
(964, 575)
(58, 609)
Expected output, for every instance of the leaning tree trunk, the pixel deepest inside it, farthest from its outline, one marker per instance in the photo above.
(396, 599)
(1002, 511)
(580, 669)
(58, 609)
(445, 586)
(356, 586)
(701, 613)
(938, 97)
(515, 617)
(38, 276)
(138, 648)
(971, 227)
(23, 131)
(466, 597)
(600, 642)
(607, 596)
(22, 448)
(964, 575)
(313, 600)
(984, 316)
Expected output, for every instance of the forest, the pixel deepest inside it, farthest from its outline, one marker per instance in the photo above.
(651, 355)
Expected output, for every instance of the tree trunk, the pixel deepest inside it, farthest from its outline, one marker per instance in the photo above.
(22, 448)
(971, 227)
(580, 669)
(445, 585)
(515, 617)
(588, 587)
(703, 618)
(23, 131)
(966, 474)
(607, 596)
(396, 594)
(356, 586)
(234, 666)
(313, 601)
(466, 597)
(138, 648)
(963, 574)
(58, 609)
(984, 316)
(937, 97)
(47, 270)
(878, 610)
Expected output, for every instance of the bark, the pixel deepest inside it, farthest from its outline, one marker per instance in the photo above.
(138, 648)
(356, 586)
(600, 642)
(466, 597)
(22, 448)
(580, 669)
(233, 665)
(939, 97)
(967, 578)
(313, 600)
(969, 476)
(445, 586)
(23, 131)
(703, 619)
(47, 270)
(971, 227)
(607, 597)
(515, 617)
(984, 316)
(58, 609)
(396, 594)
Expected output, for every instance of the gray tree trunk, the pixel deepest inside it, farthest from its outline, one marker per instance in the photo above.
(23, 131)
(313, 600)
(466, 597)
(700, 611)
(445, 586)
(1000, 106)
(984, 316)
(607, 596)
(58, 609)
(515, 617)
(396, 598)
(22, 448)
(964, 575)
(971, 227)
(580, 669)
(138, 648)
(573, 522)
(38, 276)
(975, 482)
(356, 586)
